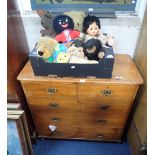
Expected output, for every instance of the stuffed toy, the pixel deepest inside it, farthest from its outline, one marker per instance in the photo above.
(77, 17)
(78, 43)
(79, 60)
(93, 49)
(92, 28)
(59, 49)
(63, 26)
(72, 50)
(47, 23)
(45, 48)
(61, 23)
(63, 57)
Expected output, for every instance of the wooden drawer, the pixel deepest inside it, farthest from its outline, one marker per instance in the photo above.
(49, 89)
(65, 132)
(101, 121)
(75, 132)
(100, 133)
(105, 106)
(46, 118)
(103, 91)
(56, 105)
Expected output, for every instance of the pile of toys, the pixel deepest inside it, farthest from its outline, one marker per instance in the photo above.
(72, 37)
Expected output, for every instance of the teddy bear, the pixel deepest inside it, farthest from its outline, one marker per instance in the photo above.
(63, 57)
(45, 48)
(79, 43)
(57, 56)
(79, 60)
(77, 17)
(93, 49)
(47, 23)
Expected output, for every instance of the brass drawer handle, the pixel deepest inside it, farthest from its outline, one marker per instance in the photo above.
(103, 107)
(51, 90)
(98, 135)
(57, 133)
(106, 92)
(53, 105)
(55, 119)
(101, 121)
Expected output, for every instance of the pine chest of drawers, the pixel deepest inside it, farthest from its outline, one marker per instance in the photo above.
(82, 108)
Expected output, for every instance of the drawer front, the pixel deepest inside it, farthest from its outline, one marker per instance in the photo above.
(56, 105)
(59, 132)
(105, 106)
(49, 89)
(46, 118)
(76, 132)
(106, 91)
(101, 133)
(108, 121)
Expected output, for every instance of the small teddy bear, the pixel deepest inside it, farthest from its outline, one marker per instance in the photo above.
(77, 17)
(93, 49)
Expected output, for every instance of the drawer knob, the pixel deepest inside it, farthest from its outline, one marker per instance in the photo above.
(55, 119)
(51, 90)
(101, 121)
(57, 133)
(53, 105)
(98, 135)
(106, 92)
(103, 107)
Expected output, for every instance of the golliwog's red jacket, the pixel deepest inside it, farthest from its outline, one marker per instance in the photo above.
(68, 36)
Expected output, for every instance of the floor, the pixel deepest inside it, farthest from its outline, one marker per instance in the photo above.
(73, 147)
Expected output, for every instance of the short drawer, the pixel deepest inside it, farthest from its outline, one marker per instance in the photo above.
(55, 105)
(49, 89)
(101, 121)
(104, 91)
(46, 118)
(105, 106)
(99, 134)
(65, 132)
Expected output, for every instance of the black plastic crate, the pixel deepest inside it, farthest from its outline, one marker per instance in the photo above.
(101, 70)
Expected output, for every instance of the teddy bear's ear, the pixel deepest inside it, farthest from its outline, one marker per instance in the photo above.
(83, 14)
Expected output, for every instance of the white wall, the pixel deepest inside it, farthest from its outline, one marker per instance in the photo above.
(125, 28)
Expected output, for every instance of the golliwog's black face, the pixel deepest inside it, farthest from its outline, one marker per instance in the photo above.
(62, 22)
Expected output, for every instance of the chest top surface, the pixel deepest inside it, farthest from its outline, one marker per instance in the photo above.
(124, 72)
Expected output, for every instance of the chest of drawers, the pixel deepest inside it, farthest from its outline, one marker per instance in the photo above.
(82, 108)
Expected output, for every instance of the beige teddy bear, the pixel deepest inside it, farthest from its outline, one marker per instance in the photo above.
(78, 17)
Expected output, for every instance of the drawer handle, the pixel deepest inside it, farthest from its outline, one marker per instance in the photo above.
(55, 119)
(103, 107)
(51, 90)
(53, 105)
(101, 121)
(98, 135)
(57, 133)
(106, 92)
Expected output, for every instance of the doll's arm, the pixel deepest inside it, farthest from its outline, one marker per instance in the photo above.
(101, 54)
(110, 40)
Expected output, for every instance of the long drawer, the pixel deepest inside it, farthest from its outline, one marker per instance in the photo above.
(103, 91)
(49, 89)
(78, 119)
(76, 132)
(55, 105)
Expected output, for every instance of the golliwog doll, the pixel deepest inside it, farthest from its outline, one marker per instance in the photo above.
(64, 27)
